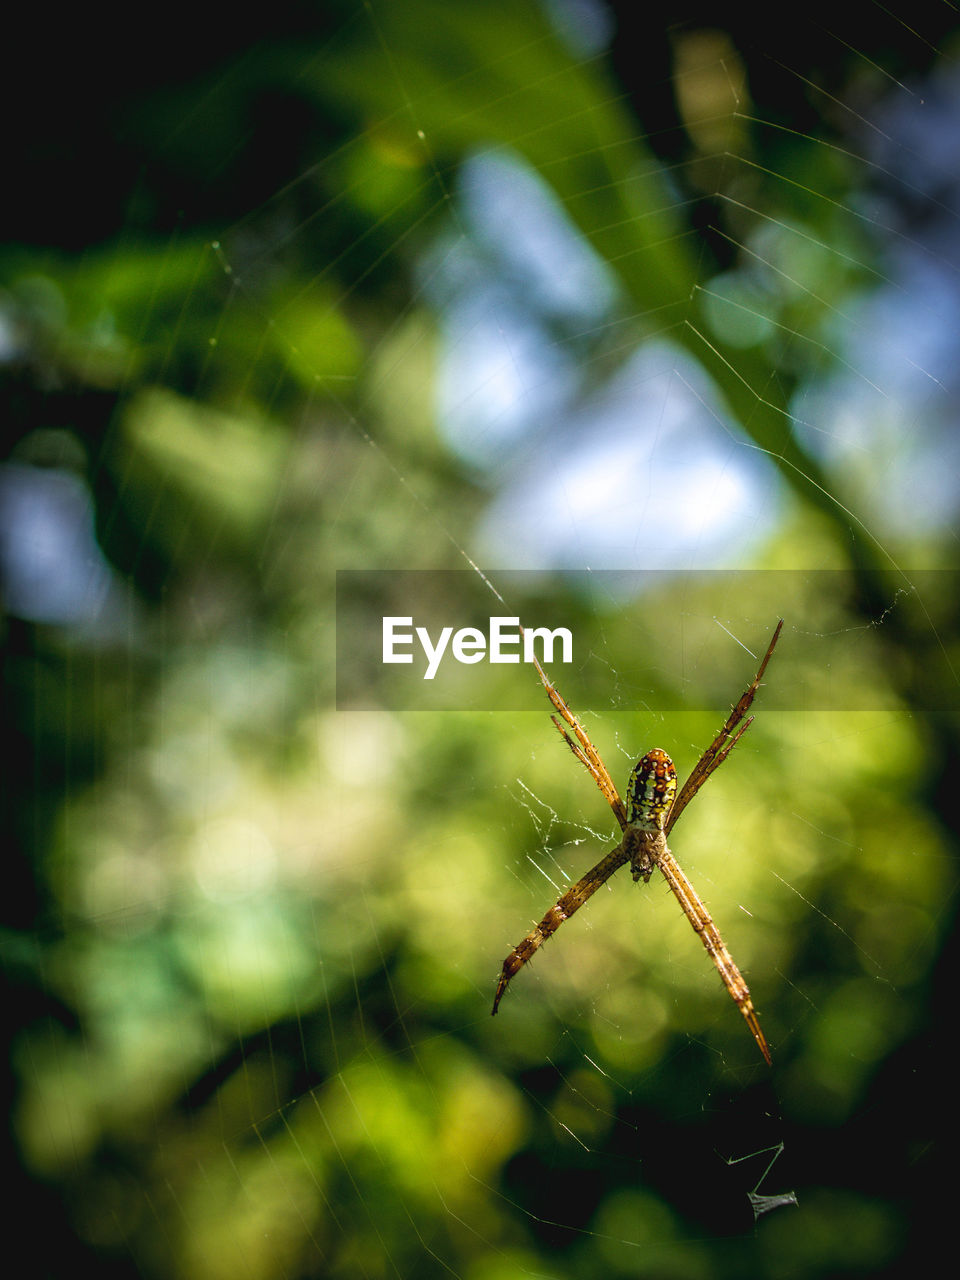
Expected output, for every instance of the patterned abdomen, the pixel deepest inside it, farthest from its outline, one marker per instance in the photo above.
(651, 790)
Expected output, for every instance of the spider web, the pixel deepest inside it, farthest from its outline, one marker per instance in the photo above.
(482, 289)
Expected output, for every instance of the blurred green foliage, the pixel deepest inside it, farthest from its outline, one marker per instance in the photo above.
(252, 940)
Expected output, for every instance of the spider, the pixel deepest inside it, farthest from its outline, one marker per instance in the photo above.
(651, 810)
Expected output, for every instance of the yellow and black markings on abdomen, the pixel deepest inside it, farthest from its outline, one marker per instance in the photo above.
(651, 791)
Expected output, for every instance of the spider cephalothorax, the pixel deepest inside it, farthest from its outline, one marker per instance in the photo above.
(650, 813)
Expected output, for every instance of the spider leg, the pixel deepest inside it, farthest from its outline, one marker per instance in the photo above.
(571, 901)
(598, 773)
(725, 740)
(699, 917)
(583, 748)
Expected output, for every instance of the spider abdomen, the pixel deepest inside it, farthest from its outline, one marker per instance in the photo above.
(651, 791)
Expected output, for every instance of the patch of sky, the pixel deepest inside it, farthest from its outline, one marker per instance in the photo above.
(636, 471)
(648, 476)
(52, 569)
